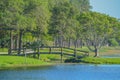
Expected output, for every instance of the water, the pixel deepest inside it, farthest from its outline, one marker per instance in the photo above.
(111, 56)
(64, 72)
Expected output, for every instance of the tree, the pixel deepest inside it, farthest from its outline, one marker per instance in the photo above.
(82, 5)
(96, 28)
(10, 10)
(62, 21)
(16, 15)
(58, 20)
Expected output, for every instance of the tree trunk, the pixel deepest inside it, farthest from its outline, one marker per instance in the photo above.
(75, 43)
(96, 52)
(16, 42)
(20, 42)
(61, 41)
(69, 43)
(55, 42)
(78, 43)
(81, 43)
(10, 44)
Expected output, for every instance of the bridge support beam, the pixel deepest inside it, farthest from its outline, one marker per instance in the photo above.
(38, 53)
(61, 55)
(10, 43)
(20, 42)
(75, 55)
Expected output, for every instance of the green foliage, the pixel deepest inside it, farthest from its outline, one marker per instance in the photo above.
(82, 5)
(113, 42)
(96, 28)
(63, 21)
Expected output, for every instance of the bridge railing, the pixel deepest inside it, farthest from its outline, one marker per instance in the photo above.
(55, 50)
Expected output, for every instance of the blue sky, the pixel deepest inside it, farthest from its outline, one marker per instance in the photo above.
(110, 7)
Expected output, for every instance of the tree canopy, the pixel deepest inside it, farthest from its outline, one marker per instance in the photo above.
(96, 28)
(63, 22)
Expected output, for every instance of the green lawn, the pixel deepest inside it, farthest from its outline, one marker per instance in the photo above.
(16, 61)
(50, 57)
(46, 59)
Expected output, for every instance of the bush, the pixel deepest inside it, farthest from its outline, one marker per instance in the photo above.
(113, 42)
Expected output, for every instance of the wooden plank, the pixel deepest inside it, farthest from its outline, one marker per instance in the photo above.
(29, 52)
(32, 52)
(51, 52)
(60, 52)
(50, 47)
(68, 54)
(77, 50)
(61, 55)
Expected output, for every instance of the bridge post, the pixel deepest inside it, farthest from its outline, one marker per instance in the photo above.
(24, 52)
(20, 41)
(75, 55)
(38, 53)
(61, 55)
(49, 50)
(10, 43)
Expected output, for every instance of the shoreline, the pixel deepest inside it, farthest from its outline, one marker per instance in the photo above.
(29, 66)
(24, 66)
(13, 62)
(45, 66)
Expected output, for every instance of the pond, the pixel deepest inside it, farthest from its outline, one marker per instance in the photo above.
(111, 56)
(64, 72)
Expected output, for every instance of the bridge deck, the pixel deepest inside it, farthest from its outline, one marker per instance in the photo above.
(56, 50)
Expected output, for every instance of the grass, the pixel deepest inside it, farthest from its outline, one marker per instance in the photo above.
(46, 59)
(94, 60)
(104, 50)
(50, 57)
(3, 50)
(99, 60)
(17, 61)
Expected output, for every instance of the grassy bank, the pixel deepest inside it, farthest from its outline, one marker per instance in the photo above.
(17, 61)
(93, 60)
(100, 60)
(48, 59)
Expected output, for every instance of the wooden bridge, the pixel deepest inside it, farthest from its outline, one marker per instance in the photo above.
(54, 50)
